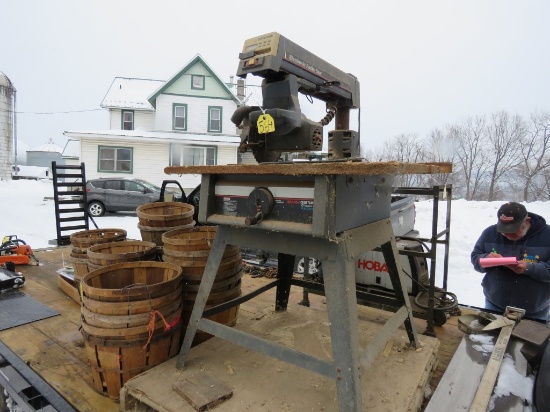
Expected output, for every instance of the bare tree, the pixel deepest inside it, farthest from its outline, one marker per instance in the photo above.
(535, 153)
(505, 135)
(439, 148)
(407, 148)
(470, 142)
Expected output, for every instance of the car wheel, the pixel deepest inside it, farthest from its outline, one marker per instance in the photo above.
(96, 209)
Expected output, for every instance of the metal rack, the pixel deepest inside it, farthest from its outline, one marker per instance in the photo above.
(437, 238)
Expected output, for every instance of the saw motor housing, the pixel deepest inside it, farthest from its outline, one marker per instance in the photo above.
(288, 69)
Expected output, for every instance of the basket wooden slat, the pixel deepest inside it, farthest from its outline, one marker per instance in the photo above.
(131, 307)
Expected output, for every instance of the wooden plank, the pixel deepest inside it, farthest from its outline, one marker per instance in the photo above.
(393, 382)
(202, 391)
(487, 384)
(64, 371)
(457, 387)
(317, 168)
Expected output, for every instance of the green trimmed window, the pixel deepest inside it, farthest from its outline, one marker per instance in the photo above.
(214, 118)
(127, 118)
(186, 155)
(115, 159)
(197, 82)
(179, 116)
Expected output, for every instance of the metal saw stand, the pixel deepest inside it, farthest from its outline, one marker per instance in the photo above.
(338, 255)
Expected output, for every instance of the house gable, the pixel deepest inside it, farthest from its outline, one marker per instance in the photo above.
(181, 83)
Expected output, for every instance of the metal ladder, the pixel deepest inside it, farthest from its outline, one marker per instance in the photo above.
(69, 191)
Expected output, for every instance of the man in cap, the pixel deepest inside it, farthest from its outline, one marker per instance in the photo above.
(526, 285)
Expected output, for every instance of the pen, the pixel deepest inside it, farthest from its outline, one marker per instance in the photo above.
(494, 250)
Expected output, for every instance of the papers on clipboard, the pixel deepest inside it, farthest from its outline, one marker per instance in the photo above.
(502, 261)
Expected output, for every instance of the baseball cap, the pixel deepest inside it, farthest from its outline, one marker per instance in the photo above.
(510, 215)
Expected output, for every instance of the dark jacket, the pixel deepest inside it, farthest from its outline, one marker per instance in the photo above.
(503, 287)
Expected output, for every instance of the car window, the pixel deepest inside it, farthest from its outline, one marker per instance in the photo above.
(133, 187)
(150, 185)
(98, 184)
(113, 184)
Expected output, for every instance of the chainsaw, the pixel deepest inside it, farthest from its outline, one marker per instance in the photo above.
(15, 251)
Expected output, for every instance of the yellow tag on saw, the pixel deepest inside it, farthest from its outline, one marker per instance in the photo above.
(265, 124)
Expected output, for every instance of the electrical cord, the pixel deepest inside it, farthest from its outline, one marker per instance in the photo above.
(442, 301)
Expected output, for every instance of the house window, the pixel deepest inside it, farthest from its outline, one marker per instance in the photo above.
(127, 120)
(197, 82)
(179, 121)
(214, 119)
(181, 155)
(115, 159)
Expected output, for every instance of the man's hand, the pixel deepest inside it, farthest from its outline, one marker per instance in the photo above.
(519, 268)
(494, 255)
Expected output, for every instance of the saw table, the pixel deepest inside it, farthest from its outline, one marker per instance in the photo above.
(331, 211)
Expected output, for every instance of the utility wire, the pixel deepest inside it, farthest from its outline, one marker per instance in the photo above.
(70, 111)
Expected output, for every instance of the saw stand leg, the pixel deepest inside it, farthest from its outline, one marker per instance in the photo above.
(338, 256)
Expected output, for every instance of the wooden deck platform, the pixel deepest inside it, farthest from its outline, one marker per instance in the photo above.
(54, 348)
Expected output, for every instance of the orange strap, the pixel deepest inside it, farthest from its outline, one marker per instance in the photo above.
(153, 320)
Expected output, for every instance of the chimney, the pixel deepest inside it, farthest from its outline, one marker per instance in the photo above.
(240, 90)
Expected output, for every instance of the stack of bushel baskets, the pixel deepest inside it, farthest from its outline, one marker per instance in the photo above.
(159, 217)
(81, 241)
(131, 320)
(189, 248)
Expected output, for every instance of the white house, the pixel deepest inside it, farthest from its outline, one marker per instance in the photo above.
(185, 120)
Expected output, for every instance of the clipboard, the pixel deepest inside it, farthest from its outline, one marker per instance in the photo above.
(502, 261)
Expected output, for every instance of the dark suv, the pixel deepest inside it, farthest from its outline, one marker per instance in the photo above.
(122, 194)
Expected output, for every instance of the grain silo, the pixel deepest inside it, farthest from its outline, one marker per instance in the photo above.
(7, 126)
(45, 154)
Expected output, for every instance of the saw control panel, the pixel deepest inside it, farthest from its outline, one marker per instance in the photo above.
(318, 205)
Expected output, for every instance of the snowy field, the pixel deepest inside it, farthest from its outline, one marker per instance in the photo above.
(27, 210)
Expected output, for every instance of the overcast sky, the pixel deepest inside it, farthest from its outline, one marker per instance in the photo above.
(421, 64)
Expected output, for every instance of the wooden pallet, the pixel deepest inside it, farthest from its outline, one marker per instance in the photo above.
(395, 381)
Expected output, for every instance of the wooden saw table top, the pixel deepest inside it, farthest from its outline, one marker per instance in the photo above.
(317, 168)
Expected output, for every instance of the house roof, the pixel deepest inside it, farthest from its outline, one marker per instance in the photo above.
(128, 93)
(49, 146)
(153, 97)
(164, 137)
(72, 148)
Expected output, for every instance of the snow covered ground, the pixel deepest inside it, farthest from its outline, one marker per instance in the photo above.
(27, 210)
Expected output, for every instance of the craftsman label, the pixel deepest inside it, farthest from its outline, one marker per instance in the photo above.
(284, 209)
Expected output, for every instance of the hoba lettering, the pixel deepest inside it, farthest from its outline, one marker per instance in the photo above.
(372, 265)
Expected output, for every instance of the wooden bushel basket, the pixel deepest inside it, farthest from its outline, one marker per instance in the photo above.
(198, 238)
(117, 252)
(131, 281)
(154, 234)
(227, 317)
(126, 308)
(81, 241)
(165, 214)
